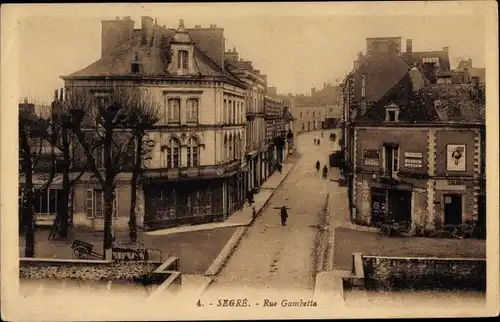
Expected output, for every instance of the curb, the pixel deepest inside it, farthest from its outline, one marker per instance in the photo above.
(233, 242)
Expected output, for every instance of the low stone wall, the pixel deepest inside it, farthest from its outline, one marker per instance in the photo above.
(400, 273)
(95, 270)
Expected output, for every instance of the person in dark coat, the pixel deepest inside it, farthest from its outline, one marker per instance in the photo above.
(284, 215)
(250, 197)
(325, 171)
(318, 165)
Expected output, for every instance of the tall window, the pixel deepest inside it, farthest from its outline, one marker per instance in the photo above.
(173, 154)
(183, 59)
(230, 111)
(230, 146)
(363, 86)
(225, 148)
(46, 202)
(192, 110)
(234, 111)
(391, 160)
(224, 116)
(174, 108)
(95, 204)
(193, 157)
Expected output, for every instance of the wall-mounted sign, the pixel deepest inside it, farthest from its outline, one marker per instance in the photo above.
(371, 158)
(455, 157)
(413, 159)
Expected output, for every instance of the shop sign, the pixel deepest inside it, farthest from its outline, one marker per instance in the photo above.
(413, 160)
(371, 158)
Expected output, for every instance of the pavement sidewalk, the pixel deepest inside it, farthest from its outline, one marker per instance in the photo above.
(242, 217)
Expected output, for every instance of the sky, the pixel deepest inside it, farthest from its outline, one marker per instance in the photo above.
(296, 49)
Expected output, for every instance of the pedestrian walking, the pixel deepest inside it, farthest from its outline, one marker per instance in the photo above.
(325, 171)
(250, 197)
(283, 215)
(318, 165)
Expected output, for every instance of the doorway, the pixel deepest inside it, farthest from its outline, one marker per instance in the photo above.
(452, 209)
(378, 206)
(399, 205)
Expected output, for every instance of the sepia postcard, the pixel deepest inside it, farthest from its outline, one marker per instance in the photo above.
(211, 161)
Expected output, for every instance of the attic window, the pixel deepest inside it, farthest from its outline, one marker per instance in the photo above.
(136, 67)
(392, 114)
(183, 59)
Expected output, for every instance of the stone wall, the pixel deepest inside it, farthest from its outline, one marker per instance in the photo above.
(397, 273)
(95, 270)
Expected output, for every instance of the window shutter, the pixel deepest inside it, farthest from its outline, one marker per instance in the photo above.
(89, 206)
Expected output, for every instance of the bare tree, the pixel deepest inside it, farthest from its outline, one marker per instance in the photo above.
(71, 162)
(145, 113)
(34, 132)
(116, 113)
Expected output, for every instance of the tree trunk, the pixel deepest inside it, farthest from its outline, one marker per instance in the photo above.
(108, 218)
(132, 224)
(28, 218)
(108, 192)
(66, 186)
(63, 207)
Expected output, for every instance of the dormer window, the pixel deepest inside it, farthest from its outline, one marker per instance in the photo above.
(392, 113)
(183, 59)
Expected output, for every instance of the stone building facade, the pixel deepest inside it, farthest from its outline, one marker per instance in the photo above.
(195, 173)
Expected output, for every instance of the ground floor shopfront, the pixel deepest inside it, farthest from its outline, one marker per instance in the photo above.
(431, 203)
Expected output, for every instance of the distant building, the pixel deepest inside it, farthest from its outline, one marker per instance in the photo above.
(320, 110)
(466, 73)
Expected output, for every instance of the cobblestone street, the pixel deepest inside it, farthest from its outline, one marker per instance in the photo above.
(282, 258)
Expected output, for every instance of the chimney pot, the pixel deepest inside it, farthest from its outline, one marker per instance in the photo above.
(56, 92)
(409, 46)
(61, 94)
(25, 100)
(445, 49)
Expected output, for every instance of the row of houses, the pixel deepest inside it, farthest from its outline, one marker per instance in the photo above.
(413, 138)
(220, 136)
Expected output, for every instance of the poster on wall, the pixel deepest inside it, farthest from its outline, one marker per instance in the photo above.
(371, 158)
(455, 160)
(413, 159)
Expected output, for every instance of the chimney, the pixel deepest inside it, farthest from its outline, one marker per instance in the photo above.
(61, 93)
(115, 33)
(445, 49)
(409, 46)
(147, 30)
(56, 96)
(313, 91)
(25, 100)
(466, 76)
(469, 61)
(232, 55)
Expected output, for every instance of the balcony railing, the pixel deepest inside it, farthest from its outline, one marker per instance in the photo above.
(204, 171)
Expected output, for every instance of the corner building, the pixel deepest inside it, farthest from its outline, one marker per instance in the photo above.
(195, 171)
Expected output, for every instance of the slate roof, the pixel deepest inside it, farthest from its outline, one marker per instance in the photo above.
(152, 59)
(382, 72)
(446, 103)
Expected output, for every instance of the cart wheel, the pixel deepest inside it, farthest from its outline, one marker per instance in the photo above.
(385, 231)
(80, 252)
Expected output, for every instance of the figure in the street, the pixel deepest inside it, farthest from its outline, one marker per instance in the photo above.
(250, 197)
(284, 215)
(280, 167)
(321, 134)
(318, 165)
(325, 171)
